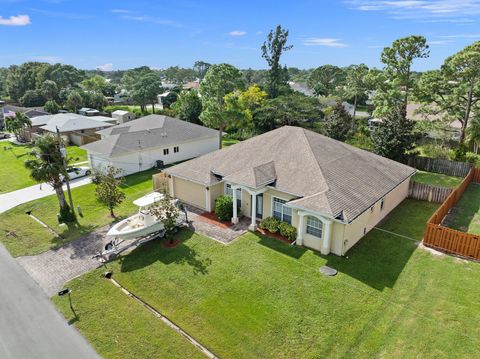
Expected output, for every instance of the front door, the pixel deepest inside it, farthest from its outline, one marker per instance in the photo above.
(260, 206)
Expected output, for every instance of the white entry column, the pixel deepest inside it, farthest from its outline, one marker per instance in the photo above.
(327, 237)
(301, 226)
(253, 224)
(235, 214)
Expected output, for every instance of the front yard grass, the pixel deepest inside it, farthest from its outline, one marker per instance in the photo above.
(30, 238)
(436, 179)
(14, 175)
(466, 215)
(261, 298)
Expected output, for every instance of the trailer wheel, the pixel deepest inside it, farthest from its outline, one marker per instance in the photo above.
(109, 246)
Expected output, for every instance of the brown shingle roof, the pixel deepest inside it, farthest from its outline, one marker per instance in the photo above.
(327, 176)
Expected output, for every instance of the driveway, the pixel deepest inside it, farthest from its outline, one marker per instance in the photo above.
(24, 195)
(51, 269)
(30, 327)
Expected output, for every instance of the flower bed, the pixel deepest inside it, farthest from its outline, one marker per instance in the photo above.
(274, 235)
(212, 218)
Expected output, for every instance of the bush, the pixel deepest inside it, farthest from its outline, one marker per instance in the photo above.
(224, 208)
(270, 224)
(288, 231)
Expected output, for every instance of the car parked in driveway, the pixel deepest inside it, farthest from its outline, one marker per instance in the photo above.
(77, 172)
(4, 135)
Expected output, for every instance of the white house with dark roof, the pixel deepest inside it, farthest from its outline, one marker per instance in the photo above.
(76, 129)
(333, 193)
(139, 144)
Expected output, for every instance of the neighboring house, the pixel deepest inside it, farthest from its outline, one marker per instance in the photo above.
(122, 116)
(333, 193)
(192, 85)
(86, 111)
(452, 130)
(150, 141)
(76, 129)
(10, 110)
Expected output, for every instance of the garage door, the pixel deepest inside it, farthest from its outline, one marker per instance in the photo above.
(189, 192)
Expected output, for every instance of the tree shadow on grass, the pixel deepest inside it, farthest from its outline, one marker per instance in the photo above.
(154, 251)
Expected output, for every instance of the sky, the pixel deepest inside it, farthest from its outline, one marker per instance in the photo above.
(121, 34)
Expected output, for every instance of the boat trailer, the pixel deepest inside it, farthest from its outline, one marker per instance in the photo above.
(115, 247)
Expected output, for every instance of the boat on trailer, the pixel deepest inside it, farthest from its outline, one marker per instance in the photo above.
(142, 223)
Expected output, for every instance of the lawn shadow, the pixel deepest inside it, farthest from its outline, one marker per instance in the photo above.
(155, 251)
(377, 260)
(281, 247)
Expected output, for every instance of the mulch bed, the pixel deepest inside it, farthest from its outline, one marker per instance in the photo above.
(212, 218)
(274, 235)
(169, 244)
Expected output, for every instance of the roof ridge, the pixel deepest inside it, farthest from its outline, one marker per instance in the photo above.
(315, 158)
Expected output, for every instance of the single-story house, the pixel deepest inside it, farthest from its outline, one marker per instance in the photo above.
(76, 129)
(149, 141)
(333, 193)
(122, 116)
(10, 110)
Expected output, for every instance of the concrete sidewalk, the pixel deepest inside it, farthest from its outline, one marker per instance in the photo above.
(24, 195)
(30, 326)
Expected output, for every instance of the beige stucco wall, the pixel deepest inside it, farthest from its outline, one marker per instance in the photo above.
(189, 192)
(215, 192)
(367, 220)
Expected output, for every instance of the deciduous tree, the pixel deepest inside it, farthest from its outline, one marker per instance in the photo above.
(188, 106)
(219, 81)
(17, 124)
(393, 137)
(107, 187)
(327, 80)
(338, 123)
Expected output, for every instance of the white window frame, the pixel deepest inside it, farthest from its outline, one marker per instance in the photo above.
(283, 207)
(165, 151)
(176, 149)
(316, 225)
(229, 192)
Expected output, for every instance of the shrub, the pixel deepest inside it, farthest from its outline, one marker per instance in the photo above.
(270, 224)
(288, 231)
(224, 208)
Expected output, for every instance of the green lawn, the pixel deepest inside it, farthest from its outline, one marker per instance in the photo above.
(436, 179)
(14, 175)
(31, 238)
(261, 298)
(228, 142)
(466, 216)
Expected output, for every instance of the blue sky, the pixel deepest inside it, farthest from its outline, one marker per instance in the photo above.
(123, 34)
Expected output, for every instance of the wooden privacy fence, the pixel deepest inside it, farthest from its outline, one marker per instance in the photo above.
(447, 239)
(426, 192)
(438, 165)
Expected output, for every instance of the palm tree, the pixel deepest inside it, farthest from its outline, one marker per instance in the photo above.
(17, 124)
(473, 132)
(48, 167)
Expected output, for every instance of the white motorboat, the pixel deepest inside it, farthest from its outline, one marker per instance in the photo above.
(141, 224)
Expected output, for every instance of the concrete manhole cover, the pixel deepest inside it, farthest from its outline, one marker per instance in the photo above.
(328, 271)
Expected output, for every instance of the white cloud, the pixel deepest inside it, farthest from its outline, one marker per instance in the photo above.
(461, 36)
(237, 33)
(317, 41)
(19, 20)
(421, 9)
(105, 67)
(49, 59)
(439, 42)
(121, 11)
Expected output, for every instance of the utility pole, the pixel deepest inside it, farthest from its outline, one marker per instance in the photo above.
(63, 152)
